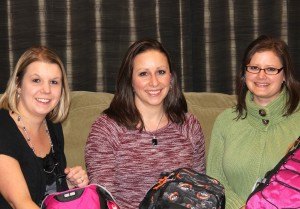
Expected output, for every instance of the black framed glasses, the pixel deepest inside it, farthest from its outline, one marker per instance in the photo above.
(268, 70)
(52, 170)
(50, 164)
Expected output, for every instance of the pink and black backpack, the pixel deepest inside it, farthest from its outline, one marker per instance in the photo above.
(92, 196)
(281, 186)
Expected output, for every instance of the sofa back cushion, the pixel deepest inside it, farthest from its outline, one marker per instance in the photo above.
(206, 107)
(87, 106)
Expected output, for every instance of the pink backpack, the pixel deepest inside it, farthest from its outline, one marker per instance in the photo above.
(281, 186)
(90, 197)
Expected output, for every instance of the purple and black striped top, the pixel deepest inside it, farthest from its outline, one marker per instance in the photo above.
(128, 164)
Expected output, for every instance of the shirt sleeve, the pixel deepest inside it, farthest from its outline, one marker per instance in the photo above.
(197, 137)
(99, 153)
(8, 142)
(215, 168)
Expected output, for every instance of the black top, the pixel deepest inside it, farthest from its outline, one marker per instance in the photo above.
(13, 144)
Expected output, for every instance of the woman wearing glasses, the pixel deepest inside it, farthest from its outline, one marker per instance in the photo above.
(31, 145)
(251, 138)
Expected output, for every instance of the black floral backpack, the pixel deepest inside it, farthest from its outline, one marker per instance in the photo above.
(185, 188)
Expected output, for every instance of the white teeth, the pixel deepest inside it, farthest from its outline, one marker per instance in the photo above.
(43, 100)
(261, 84)
(154, 92)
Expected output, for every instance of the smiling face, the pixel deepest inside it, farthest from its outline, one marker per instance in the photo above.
(40, 89)
(265, 88)
(151, 79)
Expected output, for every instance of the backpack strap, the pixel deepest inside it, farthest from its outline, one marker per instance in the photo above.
(295, 145)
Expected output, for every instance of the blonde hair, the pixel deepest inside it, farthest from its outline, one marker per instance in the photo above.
(9, 99)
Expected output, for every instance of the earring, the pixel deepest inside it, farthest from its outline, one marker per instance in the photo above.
(18, 93)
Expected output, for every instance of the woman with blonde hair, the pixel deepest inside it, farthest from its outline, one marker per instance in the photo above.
(32, 108)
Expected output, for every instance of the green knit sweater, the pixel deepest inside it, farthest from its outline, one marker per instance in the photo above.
(242, 151)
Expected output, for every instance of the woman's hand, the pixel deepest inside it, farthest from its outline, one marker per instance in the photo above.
(77, 176)
(243, 207)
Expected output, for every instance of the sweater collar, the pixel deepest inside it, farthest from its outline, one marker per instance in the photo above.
(265, 117)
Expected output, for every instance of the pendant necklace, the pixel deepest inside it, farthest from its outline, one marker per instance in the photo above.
(28, 139)
(154, 139)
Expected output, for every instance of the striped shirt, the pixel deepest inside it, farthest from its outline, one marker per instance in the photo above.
(128, 164)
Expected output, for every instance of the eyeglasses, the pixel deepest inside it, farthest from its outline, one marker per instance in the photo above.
(50, 168)
(268, 70)
(50, 164)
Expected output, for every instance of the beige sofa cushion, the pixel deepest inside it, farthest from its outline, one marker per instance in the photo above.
(87, 106)
(206, 107)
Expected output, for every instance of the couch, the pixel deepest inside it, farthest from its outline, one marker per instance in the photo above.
(87, 106)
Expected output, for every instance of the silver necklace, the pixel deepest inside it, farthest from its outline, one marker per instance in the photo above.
(154, 139)
(28, 139)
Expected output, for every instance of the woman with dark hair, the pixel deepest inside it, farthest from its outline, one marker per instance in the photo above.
(146, 130)
(32, 108)
(251, 138)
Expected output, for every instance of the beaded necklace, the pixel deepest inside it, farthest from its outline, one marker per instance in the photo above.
(28, 139)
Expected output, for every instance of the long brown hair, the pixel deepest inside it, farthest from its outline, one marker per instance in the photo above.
(280, 48)
(122, 108)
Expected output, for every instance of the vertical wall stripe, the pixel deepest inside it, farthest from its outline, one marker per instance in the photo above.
(233, 66)
(9, 30)
(207, 21)
(69, 43)
(284, 22)
(181, 46)
(255, 18)
(157, 21)
(132, 25)
(42, 22)
(99, 60)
